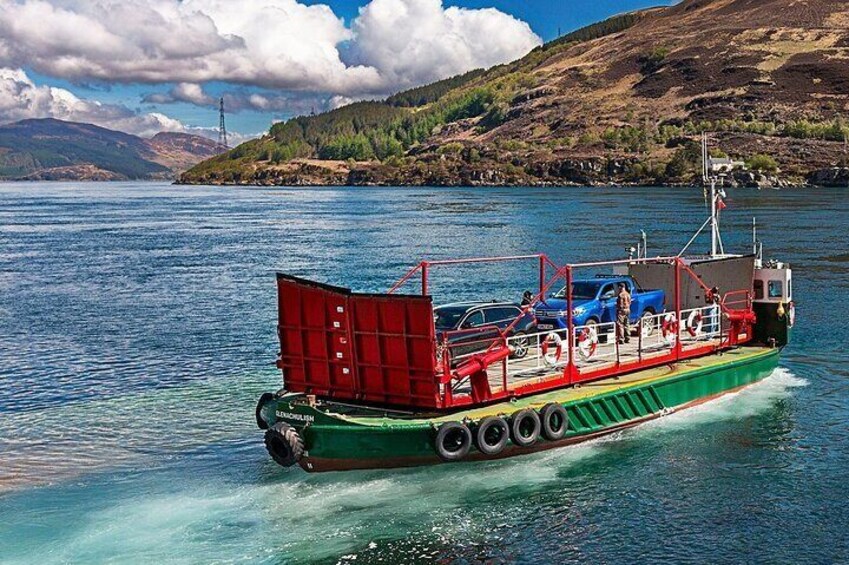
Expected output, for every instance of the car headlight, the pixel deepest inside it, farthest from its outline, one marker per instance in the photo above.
(578, 311)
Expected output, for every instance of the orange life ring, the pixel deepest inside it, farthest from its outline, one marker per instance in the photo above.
(694, 323)
(669, 328)
(587, 343)
(558, 349)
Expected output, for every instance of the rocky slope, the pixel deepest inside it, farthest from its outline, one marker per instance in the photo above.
(49, 149)
(623, 101)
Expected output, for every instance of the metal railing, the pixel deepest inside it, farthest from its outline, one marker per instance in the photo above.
(545, 353)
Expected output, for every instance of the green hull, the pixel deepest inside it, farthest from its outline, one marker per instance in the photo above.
(338, 437)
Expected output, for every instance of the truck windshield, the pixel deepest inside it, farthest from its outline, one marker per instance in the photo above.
(447, 318)
(581, 290)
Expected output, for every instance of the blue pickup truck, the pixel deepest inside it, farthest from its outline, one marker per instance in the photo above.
(594, 302)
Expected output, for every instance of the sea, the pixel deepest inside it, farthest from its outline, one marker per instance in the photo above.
(137, 330)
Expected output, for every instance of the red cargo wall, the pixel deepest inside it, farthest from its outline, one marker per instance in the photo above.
(369, 348)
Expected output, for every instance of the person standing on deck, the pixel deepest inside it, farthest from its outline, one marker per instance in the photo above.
(623, 315)
(712, 298)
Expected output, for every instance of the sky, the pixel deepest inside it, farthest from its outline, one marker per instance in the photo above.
(144, 66)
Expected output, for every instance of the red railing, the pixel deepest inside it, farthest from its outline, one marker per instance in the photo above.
(370, 353)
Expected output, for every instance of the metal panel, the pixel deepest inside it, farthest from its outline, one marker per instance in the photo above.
(373, 348)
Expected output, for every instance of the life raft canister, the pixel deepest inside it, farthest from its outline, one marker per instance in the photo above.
(669, 328)
(552, 349)
(587, 343)
(694, 323)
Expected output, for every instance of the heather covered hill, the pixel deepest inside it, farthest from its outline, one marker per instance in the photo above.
(50, 149)
(620, 101)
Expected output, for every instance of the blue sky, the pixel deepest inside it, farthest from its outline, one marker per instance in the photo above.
(271, 59)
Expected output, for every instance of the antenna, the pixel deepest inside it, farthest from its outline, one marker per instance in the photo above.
(222, 129)
(709, 179)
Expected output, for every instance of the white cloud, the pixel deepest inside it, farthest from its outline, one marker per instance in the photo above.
(413, 42)
(292, 103)
(20, 99)
(272, 44)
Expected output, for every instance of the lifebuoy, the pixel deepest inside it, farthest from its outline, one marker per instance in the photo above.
(555, 421)
(669, 328)
(587, 343)
(552, 357)
(694, 323)
(791, 315)
(284, 444)
(491, 435)
(453, 441)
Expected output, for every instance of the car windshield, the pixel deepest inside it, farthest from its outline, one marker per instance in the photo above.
(447, 318)
(581, 290)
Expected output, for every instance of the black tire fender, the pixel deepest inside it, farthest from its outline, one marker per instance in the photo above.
(484, 431)
(266, 396)
(453, 441)
(525, 427)
(284, 444)
(550, 415)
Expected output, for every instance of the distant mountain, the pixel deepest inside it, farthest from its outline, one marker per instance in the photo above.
(49, 149)
(621, 101)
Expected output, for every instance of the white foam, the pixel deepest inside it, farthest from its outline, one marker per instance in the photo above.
(743, 403)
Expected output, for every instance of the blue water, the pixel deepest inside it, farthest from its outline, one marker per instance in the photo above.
(137, 330)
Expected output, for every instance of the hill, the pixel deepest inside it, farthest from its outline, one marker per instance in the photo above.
(49, 149)
(621, 101)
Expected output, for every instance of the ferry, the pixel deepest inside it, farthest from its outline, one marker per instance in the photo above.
(371, 381)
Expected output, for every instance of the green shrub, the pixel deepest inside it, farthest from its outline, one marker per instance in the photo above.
(762, 163)
(652, 61)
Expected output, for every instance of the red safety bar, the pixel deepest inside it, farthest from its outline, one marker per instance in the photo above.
(382, 349)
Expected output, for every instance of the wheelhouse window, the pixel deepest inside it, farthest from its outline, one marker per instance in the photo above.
(776, 289)
(759, 290)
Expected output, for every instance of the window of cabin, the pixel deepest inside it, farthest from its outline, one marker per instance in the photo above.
(759, 290)
(776, 289)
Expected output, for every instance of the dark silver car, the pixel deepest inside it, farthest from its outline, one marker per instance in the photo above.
(471, 326)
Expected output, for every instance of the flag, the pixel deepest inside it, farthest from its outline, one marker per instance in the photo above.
(720, 204)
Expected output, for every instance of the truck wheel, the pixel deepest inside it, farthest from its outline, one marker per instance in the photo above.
(491, 435)
(520, 345)
(259, 405)
(453, 441)
(555, 421)
(284, 444)
(525, 427)
(647, 323)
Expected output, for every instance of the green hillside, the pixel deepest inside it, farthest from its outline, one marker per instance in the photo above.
(381, 130)
(621, 101)
(31, 145)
